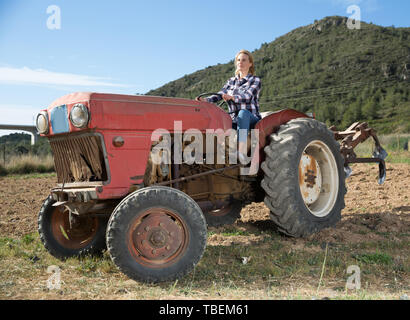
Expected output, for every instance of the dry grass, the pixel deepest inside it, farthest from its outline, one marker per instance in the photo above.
(280, 268)
(28, 164)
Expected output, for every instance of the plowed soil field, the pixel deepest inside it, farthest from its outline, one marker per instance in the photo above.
(369, 206)
(374, 232)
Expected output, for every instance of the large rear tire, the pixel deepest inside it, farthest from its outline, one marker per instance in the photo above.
(304, 180)
(156, 234)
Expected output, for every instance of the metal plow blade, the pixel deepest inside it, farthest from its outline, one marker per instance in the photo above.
(350, 138)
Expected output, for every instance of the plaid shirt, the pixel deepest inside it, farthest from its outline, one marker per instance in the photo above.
(245, 92)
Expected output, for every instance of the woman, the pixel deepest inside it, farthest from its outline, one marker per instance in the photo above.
(242, 94)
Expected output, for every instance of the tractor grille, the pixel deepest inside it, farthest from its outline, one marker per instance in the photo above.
(79, 158)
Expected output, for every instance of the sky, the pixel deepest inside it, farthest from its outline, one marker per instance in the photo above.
(49, 48)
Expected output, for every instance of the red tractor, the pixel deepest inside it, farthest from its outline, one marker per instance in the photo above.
(117, 189)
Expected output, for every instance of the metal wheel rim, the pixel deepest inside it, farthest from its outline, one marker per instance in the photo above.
(325, 179)
(163, 225)
(72, 238)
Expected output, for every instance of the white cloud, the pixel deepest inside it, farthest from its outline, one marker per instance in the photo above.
(26, 75)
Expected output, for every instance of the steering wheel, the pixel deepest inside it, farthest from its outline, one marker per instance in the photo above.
(223, 104)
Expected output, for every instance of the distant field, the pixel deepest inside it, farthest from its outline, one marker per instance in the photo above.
(395, 145)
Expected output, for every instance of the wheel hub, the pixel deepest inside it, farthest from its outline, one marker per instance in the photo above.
(310, 178)
(158, 237)
(318, 178)
(74, 234)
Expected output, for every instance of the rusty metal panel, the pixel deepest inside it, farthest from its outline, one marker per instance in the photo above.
(79, 158)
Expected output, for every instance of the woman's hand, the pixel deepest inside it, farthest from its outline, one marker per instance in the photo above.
(227, 97)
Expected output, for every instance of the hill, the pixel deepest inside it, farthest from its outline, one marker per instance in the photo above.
(341, 75)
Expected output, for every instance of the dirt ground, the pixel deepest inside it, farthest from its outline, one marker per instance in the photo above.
(371, 210)
(373, 214)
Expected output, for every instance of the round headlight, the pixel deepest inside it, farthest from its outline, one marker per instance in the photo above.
(79, 115)
(42, 122)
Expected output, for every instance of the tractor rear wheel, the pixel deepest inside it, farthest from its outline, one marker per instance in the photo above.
(226, 215)
(304, 180)
(64, 239)
(156, 234)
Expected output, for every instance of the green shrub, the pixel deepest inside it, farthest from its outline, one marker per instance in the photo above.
(3, 170)
(374, 258)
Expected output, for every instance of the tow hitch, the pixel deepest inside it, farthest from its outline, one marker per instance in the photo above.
(350, 138)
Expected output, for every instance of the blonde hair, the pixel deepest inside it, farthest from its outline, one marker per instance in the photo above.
(252, 67)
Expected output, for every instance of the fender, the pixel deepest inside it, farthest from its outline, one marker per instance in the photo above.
(273, 121)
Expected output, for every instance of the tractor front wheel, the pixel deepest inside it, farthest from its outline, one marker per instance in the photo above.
(304, 180)
(156, 234)
(64, 239)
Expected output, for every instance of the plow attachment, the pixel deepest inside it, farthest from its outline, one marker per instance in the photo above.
(350, 138)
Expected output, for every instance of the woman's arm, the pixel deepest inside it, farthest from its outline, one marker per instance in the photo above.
(245, 96)
(223, 91)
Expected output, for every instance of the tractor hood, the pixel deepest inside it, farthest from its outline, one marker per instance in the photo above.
(132, 112)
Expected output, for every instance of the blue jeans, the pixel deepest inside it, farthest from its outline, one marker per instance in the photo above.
(245, 120)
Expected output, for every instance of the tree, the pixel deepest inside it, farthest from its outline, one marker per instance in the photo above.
(352, 114)
(370, 109)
